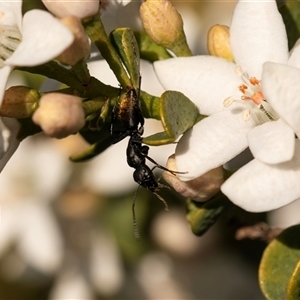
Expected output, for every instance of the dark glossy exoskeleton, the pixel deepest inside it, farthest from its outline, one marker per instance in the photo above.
(127, 120)
(127, 116)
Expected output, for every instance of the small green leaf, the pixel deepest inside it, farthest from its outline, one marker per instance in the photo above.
(178, 114)
(126, 45)
(149, 50)
(290, 12)
(293, 289)
(278, 264)
(92, 151)
(202, 215)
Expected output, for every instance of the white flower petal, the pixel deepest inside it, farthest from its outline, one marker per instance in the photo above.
(211, 143)
(13, 143)
(8, 225)
(272, 142)
(39, 237)
(44, 38)
(281, 88)
(4, 73)
(257, 35)
(11, 13)
(294, 59)
(205, 80)
(259, 187)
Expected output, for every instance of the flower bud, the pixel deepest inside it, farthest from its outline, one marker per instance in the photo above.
(59, 115)
(218, 42)
(80, 48)
(199, 189)
(19, 102)
(80, 9)
(163, 24)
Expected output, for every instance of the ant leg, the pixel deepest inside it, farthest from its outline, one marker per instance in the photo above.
(163, 168)
(162, 200)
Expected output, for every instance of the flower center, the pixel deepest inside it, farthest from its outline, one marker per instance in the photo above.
(10, 37)
(253, 98)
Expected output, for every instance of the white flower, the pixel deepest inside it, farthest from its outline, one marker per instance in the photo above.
(26, 220)
(266, 122)
(257, 35)
(263, 184)
(32, 40)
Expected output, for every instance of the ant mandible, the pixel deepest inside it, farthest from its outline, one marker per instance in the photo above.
(127, 120)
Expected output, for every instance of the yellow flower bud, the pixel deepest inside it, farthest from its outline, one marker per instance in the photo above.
(19, 102)
(200, 189)
(80, 48)
(218, 43)
(59, 115)
(164, 25)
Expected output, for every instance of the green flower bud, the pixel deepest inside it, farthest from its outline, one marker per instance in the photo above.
(19, 102)
(59, 115)
(80, 48)
(164, 25)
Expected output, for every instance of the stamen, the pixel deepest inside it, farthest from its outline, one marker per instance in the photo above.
(243, 88)
(10, 38)
(239, 71)
(254, 81)
(228, 101)
(246, 114)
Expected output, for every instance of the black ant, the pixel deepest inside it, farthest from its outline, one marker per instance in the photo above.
(127, 120)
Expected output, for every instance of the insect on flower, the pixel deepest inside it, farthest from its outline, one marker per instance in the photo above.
(127, 120)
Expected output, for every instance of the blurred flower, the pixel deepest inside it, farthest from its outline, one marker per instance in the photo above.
(80, 9)
(208, 81)
(27, 220)
(8, 140)
(59, 114)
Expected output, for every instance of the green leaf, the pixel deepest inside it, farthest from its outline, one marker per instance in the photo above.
(92, 151)
(293, 289)
(126, 45)
(290, 12)
(278, 264)
(178, 114)
(99, 141)
(149, 50)
(202, 215)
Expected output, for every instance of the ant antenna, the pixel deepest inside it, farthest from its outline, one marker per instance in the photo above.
(135, 226)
